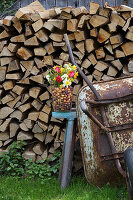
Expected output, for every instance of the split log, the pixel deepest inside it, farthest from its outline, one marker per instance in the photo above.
(130, 66)
(79, 35)
(29, 155)
(49, 48)
(5, 111)
(4, 136)
(38, 148)
(56, 37)
(72, 25)
(37, 104)
(17, 114)
(94, 8)
(2, 73)
(127, 48)
(40, 136)
(89, 45)
(37, 79)
(39, 51)
(97, 21)
(24, 53)
(15, 76)
(42, 35)
(34, 92)
(4, 35)
(8, 85)
(6, 52)
(31, 42)
(7, 20)
(22, 135)
(13, 66)
(100, 53)
(92, 59)
(101, 66)
(43, 117)
(112, 71)
(57, 23)
(18, 38)
(4, 125)
(83, 20)
(103, 35)
(37, 25)
(93, 32)
(33, 115)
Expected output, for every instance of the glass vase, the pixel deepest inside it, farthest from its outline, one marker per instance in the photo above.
(62, 98)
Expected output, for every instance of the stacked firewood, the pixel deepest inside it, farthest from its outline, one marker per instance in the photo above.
(31, 41)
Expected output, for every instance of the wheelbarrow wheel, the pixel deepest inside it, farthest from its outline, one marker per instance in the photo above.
(128, 156)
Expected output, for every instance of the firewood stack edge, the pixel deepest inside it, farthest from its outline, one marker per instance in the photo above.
(31, 42)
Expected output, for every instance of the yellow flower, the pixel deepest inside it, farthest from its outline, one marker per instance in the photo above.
(61, 86)
(67, 83)
(62, 69)
(54, 79)
(72, 79)
(74, 67)
(76, 74)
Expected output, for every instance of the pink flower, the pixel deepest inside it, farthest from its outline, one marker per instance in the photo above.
(58, 79)
(71, 74)
(57, 69)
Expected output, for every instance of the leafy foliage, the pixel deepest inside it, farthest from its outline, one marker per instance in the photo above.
(44, 168)
(13, 164)
(5, 4)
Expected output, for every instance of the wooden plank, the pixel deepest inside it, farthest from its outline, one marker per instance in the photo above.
(72, 3)
(121, 2)
(50, 3)
(112, 2)
(61, 3)
(43, 3)
(25, 3)
(84, 3)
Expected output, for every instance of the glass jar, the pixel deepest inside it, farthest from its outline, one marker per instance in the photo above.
(62, 98)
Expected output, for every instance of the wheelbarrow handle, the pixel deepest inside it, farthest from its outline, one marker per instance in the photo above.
(79, 70)
(85, 109)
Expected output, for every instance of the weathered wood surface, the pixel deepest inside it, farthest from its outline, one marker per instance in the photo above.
(62, 3)
(75, 3)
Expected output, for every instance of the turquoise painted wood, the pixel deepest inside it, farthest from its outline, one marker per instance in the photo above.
(69, 115)
(68, 148)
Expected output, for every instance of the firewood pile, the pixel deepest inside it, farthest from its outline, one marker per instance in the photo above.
(31, 41)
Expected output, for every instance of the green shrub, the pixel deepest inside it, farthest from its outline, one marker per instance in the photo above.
(13, 164)
(5, 4)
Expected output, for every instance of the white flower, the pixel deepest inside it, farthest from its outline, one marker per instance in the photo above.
(64, 76)
(67, 66)
(66, 83)
(48, 77)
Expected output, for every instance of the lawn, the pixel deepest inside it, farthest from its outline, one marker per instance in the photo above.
(12, 188)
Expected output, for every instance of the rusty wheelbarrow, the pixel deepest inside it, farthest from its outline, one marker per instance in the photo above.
(105, 120)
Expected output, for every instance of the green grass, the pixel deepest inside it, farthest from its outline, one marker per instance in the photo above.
(15, 189)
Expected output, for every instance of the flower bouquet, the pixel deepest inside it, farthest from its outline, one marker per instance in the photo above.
(61, 77)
